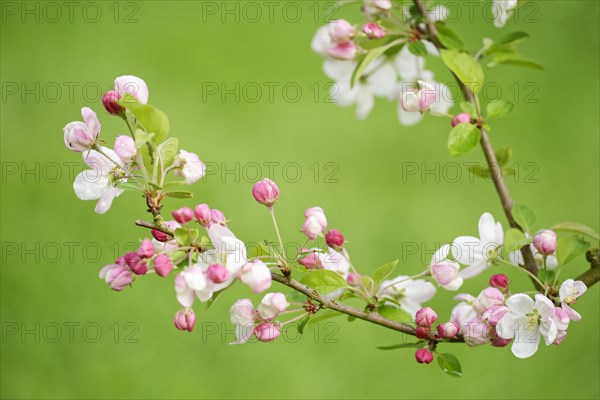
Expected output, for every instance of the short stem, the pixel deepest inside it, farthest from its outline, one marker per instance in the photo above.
(272, 212)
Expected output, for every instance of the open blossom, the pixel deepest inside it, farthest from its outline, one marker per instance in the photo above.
(410, 293)
(479, 253)
(333, 260)
(117, 276)
(80, 136)
(136, 87)
(443, 271)
(526, 322)
(99, 182)
(569, 291)
(189, 167)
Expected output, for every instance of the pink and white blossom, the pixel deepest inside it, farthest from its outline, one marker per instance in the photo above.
(265, 192)
(272, 305)
(81, 136)
(257, 275)
(136, 87)
(410, 293)
(242, 315)
(489, 297)
(479, 253)
(125, 148)
(117, 276)
(569, 291)
(444, 271)
(526, 322)
(189, 167)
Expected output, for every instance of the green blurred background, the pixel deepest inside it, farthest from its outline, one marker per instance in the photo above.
(181, 49)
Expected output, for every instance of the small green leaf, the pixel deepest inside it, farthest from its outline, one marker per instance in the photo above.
(569, 248)
(142, 137)
(368, 283)
(503, 155)
(507, 42)
(511, 58)
(257, 249)
(417, 48)
(368, 58)
(324, 281)
(546, 275)
(514, 239)
(384, 271)
(180, 194)
(465, 67)
(401, 346)
(499, 109)
(524, 216)
(395, 314)
(173, 184)
(463, 138)
(448, 37)
(302, 323)
(168, 151)
(449, 364)
(182, 237)
(574, 227)
(153, 120)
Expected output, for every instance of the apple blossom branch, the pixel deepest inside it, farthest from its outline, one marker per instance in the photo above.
(590, 277)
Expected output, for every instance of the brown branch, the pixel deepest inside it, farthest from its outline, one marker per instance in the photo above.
(591, 276)
(486, 145)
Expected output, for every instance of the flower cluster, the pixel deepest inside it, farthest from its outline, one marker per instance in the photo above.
(259, 322)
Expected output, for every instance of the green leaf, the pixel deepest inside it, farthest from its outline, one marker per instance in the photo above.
(574, 227)
(368, 283)
(395, 314)
(302, 323)
(449, 364)
(417, 48)
(142, 137)
(465, 67)
(401, 346)
(153, 120)
(569, 248)
(503, 155)
(384, 271)
(324, 281)
(499, 109)
(507, 42)
(180, 194)
(168, 151)
(546, 275)
(368, 58)
(514, 239)
(463, 138)
(448, 37)
(182, 237)
(523, 215)
(511, 58)
(173, 184)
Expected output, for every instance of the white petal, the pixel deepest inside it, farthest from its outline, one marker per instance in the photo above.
(487, 229)
(90, 185)
(520, 303)
(194, 278)
(549, 330)
(467, 250)
(474, 269)
(441, 254)
(408, 118)
(525, 344)
(574, 315)
(544, 306)
(339, 71)
(566, 289)
(508, 325)
(454, 285)
(105, 201)
(418, 291)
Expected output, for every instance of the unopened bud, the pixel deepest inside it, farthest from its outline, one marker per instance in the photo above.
(183, 215)
(423, 356)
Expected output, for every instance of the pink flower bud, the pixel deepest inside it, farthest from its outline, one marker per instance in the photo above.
(421, 332)
(462, 118)
(109, 99)
(354, 279)
(121, 261)
(132, 85)
(423, 356)
(444, 272)
(487, 298)
(217, 217)
(160, 236)
(117, 276)
(334, 239)
(448, 330)
(266, 332)
(425, 317)
(185, 320)
(163, 265)
(311, 228)
(256, 275)
(497, 341)
(125, 148)
(418, 100)
(272, 305)
(146, 249)
(217, 273)
(341, 30)
(545, 242)
(265, 192)
(499, 281)
(310, 261)
(136, 263)
(183, 215)
(319, 215)
(203, 214)
(373, 30)
(344, 50)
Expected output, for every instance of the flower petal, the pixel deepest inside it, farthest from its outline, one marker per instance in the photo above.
(520, 303)
(467, 250)
(473, 269)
